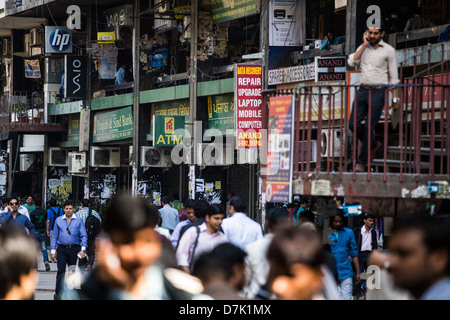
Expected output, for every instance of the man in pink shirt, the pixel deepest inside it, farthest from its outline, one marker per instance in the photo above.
(201, 239)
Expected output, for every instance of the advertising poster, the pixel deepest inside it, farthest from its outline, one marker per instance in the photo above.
(249, 110)
(32, 69)
(279, 152)
(286, 28)
(227, 10)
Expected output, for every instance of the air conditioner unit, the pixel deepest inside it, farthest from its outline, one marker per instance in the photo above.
(211, 154)
(247, 156)
(35, 37)
(26, 160)
(57, 157)
(77, 163)
(6, 47)
(155, 157)
(331, 143)
(108, 157)
(303, 146)
(124, 32)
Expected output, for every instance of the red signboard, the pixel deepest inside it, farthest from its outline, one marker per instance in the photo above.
(248, 103)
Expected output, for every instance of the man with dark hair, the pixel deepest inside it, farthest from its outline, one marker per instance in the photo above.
(239, 228)
(200, 208)
(21, 209)
(52, 213)
(18, 256)
(257, 265)
(129, 253)
(39, 219)
(343, 245)
(169, 215)
(419, 257)
(69, 242)
(30, 204)
(366, 241)
(295, 257)
(378, 67)
(15, 218)
(189, 210)
(84, 213)
(201, 239)
(222, 272)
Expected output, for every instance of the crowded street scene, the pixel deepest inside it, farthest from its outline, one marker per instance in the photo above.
(245, 152)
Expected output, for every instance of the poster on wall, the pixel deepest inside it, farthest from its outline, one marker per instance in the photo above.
(286, 23)
(32, 69)
(249, 109)
(108, 62)
(279, 152)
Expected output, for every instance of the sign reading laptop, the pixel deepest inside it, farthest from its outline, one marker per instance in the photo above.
(58, 40)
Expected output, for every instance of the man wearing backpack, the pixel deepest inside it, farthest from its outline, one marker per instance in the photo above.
(52, 213)
(92, 223)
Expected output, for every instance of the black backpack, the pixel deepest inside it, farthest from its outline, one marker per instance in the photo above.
(92, 225)
(55, 215)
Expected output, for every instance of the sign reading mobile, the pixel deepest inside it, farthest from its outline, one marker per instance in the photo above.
(58, 40)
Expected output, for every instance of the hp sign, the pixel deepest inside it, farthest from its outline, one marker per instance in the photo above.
(58, 40)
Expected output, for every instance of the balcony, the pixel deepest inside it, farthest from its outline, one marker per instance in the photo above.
(414, 161)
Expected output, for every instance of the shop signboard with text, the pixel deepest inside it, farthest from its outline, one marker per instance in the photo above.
(165, 130)
(248, 103)
(113, 125)
(280, 149)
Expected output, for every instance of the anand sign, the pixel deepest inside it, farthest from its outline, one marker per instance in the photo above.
(331, 69)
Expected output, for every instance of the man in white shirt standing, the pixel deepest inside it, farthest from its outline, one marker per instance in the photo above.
(377, 60)
(169, 215)
(240, 229)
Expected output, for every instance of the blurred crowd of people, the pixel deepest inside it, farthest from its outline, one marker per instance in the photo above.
(217, 252)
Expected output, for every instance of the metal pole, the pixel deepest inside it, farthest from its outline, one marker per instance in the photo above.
(136, 118)
(193, 94)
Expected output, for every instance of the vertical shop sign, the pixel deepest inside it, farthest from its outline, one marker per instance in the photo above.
(249, 110)
(75, 80)
(279, 152)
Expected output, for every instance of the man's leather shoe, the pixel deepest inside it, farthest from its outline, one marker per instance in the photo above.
(360, 167)
(374, 151)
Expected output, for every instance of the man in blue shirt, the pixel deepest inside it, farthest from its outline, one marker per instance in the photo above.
(169, 215)
(120, 75)
(13, 217)
(52, 213)
(343, 246)
(331, 41)
(69, 241)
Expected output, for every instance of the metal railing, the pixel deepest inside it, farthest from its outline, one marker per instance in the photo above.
(414, 137)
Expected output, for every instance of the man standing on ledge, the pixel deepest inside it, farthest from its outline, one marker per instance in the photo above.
(378, 67)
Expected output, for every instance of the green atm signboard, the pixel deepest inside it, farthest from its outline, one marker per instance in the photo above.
(113, 125)
(227, 10)
(165, 130)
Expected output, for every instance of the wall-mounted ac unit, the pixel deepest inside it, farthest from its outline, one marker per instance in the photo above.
(77, 163)
(6, 47)
(108, 157)
(26, 160)
(247, 156)
(124, 32)
(303, 146)
(57, 157)
(331, 143)
(211, 154)
(155, 157)
(35, 37)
